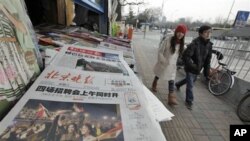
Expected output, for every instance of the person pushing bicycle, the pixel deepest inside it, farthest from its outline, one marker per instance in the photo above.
(196, 57)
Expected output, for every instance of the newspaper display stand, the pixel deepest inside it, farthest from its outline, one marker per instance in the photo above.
(85, 87)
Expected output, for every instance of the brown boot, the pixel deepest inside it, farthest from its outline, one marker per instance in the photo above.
(172, 99)
(154, 85)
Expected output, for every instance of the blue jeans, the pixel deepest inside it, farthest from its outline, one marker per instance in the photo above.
(189, 80)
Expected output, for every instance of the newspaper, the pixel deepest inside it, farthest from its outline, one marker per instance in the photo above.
(127, 52)
(161, 113)
(92, 104)
(49, 56)
(90, 59)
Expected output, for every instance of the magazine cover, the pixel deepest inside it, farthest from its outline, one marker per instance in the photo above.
(18, 53)
(90, 59)
(68, 103)
(18, 31)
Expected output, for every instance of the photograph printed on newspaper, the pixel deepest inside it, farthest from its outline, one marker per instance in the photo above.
(90, 59)
(46, 120)
(127, 52)
(74, 94)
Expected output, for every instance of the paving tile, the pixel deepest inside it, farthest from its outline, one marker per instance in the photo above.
(179, 122)
(222, 126)
(197, 131)
(218, 120)
(203, 106)
(185, 114)
(212, 132)
(201, 138)
(178, 134)
(169, 124)
(185, 134)
(199, 114)
(225, 134)
(171, 134)
(233, 121)
(218, 114)
(216, 138)
(195, 123)
(202, 120)
(207, 125)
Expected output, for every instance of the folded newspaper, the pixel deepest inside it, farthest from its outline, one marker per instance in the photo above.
(85, 94)
(159, 110)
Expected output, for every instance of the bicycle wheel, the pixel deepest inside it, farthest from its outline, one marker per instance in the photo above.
(243, 109)
(220, 83)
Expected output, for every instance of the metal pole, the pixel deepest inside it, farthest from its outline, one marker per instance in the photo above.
(136, 24)
(144, 32)
(229, 14)
(162, 15)
(247, 70)
(137, 20)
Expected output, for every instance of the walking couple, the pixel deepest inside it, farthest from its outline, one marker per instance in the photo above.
(196, 56)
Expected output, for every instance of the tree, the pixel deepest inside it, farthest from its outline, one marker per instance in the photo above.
(122, 3)
(131, 18)
(187, 21)
(164, 19)
(219, 20)
(155, 15)
(125, 2)
(150, 15)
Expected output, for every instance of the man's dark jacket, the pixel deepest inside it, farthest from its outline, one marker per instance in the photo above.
(198, 55)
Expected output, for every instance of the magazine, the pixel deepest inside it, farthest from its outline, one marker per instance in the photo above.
(19, 55)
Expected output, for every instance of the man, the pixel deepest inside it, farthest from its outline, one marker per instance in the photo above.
(197, 56)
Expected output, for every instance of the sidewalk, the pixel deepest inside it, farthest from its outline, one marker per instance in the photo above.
(211, 116)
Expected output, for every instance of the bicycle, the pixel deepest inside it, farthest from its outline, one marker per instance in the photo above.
(220, 80)
(243, 108)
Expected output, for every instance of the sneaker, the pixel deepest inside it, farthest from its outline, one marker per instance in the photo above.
(189, 105)
(177, 87)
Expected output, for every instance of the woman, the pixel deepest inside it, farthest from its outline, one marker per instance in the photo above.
(71, 134)
(86, 131)
(57, 129)
(165, 68)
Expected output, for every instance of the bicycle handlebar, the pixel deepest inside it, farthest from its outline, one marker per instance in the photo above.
(218, 54)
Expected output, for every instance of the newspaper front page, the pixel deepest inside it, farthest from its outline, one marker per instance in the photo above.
(128, 53)
(90, 59)
(71, 101)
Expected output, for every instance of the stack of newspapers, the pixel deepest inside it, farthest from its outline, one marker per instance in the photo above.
(86, 94)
